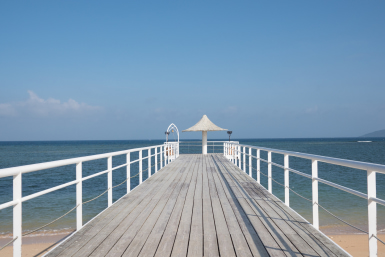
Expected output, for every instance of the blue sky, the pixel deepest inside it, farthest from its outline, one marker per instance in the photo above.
(93, 70)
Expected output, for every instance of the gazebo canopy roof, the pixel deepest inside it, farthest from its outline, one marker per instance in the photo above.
(204, 125)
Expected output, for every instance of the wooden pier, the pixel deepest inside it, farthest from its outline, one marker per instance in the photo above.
(198, 205)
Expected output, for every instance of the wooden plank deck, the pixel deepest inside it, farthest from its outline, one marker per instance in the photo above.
(198, 205)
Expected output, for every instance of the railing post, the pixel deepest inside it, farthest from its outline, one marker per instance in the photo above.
(258, 166)
(250, 163)
(166, 157)
(149, 163)
(239, 156)
(79, 196)
(244, 159)
(140, 167)
(161, 156)
(269, 175)
(128, 171)
(287, 191)
(156, 159)
(372, 213)
(17, 215)
(314, 176)
(109, 178)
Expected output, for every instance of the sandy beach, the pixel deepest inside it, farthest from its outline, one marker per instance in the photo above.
(356, 245)
(34, 245)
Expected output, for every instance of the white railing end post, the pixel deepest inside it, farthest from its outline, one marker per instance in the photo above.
(156, 159)
(17, 215)
(140, 167)
(259, 166)
(315, 193)
(149, 163)
(128, 171)
(250, 163)
(287, 181)
(79, 195)
(372, 213)
(109, 180)
(270, 172)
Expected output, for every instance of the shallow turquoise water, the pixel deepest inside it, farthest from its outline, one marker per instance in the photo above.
(43, 209)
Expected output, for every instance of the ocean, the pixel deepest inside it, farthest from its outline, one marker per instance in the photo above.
(43, 209)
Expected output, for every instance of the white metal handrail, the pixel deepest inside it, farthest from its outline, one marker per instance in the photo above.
(168, 152)
(235, 154)
(212, 146)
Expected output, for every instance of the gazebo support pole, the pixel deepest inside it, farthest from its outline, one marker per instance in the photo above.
(204, 142)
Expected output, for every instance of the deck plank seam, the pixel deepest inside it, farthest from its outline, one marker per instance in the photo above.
(188, 178)
(193, 164)
(268, 226)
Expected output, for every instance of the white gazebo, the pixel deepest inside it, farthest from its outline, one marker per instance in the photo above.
(204, 125)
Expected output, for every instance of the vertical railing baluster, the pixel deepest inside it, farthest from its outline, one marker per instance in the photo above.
(314, 175)
(269, 174)
(235, 154)
(259, 166)
(149, 163)
(79, 196)
(156, 159)
(167, 155)
(244, 159)
(109, 175)
(239, 156)
(250, 163)
(161, 156)
(128, 172)
(287, 190)
(140, 167)
(372, 213)
(17, 215)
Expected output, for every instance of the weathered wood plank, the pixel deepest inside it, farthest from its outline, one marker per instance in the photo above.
(199, 205)
(196, 233)
(156, 222)
(304, 241)
(107, 237)
(266, 230)
(81, 238)
(166, 227)
(320, 243)
(249, 222)
(166, 204)
(271, 216)
(226, 247)
(123, 242)
(180, 246)
(210, 245)
(245, 240)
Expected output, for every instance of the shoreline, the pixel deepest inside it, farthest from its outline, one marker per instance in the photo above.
(33, 246)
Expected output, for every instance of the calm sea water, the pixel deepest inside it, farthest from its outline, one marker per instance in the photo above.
(40, 210)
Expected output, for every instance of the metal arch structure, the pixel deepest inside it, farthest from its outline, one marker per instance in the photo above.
(172, 126)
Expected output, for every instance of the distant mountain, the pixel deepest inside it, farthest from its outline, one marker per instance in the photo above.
(379, 133)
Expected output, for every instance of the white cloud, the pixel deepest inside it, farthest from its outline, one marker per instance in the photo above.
(35, 105)
(7, 110)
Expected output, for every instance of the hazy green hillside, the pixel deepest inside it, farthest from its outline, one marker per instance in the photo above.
(379, 133)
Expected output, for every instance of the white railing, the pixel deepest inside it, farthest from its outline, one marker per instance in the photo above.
(237, 153)
(167, 153)
(192, 147)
